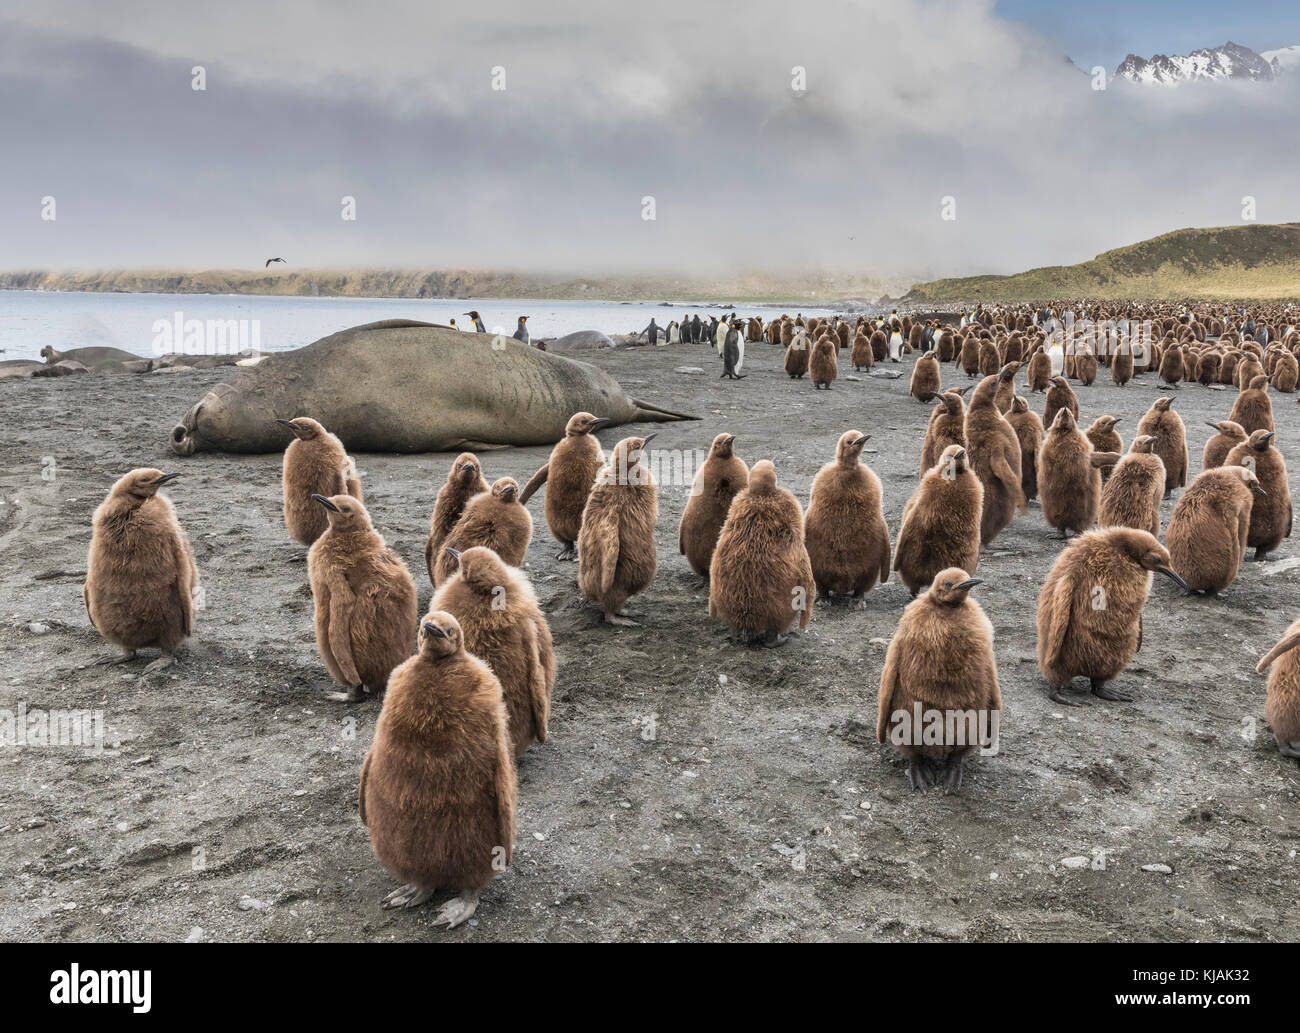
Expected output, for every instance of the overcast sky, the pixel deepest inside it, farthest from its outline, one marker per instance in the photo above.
(392, 104)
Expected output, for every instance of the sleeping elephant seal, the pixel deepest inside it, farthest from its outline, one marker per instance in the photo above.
(18, 368)
(403, 386)
(581, 341)
(99, 360)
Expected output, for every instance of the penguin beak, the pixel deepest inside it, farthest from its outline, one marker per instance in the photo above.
(646, 440)
(959, 454)
(1117, 419)
(1209, 424)
(1255, 487)
(862, 440)
(601, 421)
(1174, 576)
(453, 553)
(166, 477)
(968, 584)
(1270, 435)
(326, 503)
(729, 439)
(433, 629)
(286, 423)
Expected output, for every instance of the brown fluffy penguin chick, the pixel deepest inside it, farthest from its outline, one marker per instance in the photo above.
(1029, 432)
(968, 358)
(1253, 409)
(796, 355)
(616, 546)
(140, 572)
(844, 528)
(503, 625)
(366, 609)
(941, 522)
(464, 481)
(947, 427)
(1227, 434)
(438, 784)
(495, 519)
(823, 367)
(761, 582)
(568, 476)
(1085, 368)
(1105, 438)
(994, 452)
(315, 463)
(1069, 480)
(1131, 497)
(1090, 608)
(861, 357)
(1038, 372)
(1172, 367)
(1059, 396)
(925, 378)
(940, 660)
(1282, 704)
(1286, 373)
(1005, 394)
(1166, 426)
(723, 476)
(1121, 364)
(1270, 517)
(1210, 527)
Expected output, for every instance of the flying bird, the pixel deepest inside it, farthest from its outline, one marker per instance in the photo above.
(270, 260)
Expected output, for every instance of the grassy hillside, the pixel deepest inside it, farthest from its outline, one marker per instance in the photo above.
(811, 288)
(1249, 263)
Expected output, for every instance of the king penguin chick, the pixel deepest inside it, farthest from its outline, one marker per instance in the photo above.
(1282, 703)
(940, 660)
(1090, 608)
(924, 384)
(1209, 530)
(495, 519)
(569, 475)
(1131, 497)
(844, 529)
(761, 580)
(1105, 438)
(616, 545)
(1270, 517)
(1059, 396)
(1166, 426)
(1069, 476)
(1029, 432)
(503, 625)
(994, 452)
(464, 481)
(366, 609)
(438, 785)
(140, 571)
(315, 463)
(947, 427)
(941, 522)
(1227, 434)
(722, 476)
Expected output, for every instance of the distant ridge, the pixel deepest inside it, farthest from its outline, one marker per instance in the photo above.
(823, 289)
(1248, 263)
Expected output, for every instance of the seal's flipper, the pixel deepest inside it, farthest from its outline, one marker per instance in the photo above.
(647, 413)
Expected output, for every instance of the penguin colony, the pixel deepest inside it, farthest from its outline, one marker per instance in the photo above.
(467, 687)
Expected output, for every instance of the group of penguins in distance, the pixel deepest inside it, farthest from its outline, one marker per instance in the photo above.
(438, 784)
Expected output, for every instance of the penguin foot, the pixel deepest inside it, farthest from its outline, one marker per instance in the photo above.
(458, 909)
(772, 640)
(1100, 690)
(161, 664)
(1260, 555)
(953, 774)
(569, 552)
(354, 694)
(918, 773)
(1061, 694)
(405, 896)
(116, 658)
(620, 620)
(1289, 749)
(1063, 536)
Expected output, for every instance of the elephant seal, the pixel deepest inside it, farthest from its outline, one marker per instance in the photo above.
(99, 360)
(62, 368)
(580, 340)
(19, 368)
(405, 386)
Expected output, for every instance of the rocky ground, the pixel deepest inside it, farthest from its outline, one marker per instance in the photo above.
(692, 789)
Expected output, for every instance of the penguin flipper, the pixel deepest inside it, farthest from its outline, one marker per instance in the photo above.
(888, 686)
(1002, 470)
(885, 557)
(1285, 645)
(505, 783)
(538, 702)
(85, 598)
(1058, 624)
(534, 482)
(341, 601)
(361, 792)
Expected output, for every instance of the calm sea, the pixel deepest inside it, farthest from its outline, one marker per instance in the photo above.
(29, 320)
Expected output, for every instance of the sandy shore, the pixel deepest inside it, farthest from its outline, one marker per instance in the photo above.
(759, 808)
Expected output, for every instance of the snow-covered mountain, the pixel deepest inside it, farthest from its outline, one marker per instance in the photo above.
(1230, 61)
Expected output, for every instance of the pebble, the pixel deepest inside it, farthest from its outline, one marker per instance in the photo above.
(196, 935)
(688, 369)
(1074, 862)
(1159, 869)
(37, 628)
(247, 903)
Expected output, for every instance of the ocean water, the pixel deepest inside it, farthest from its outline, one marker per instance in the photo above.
(29, 320)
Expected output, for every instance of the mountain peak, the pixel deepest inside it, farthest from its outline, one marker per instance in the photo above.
(1229, 61)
